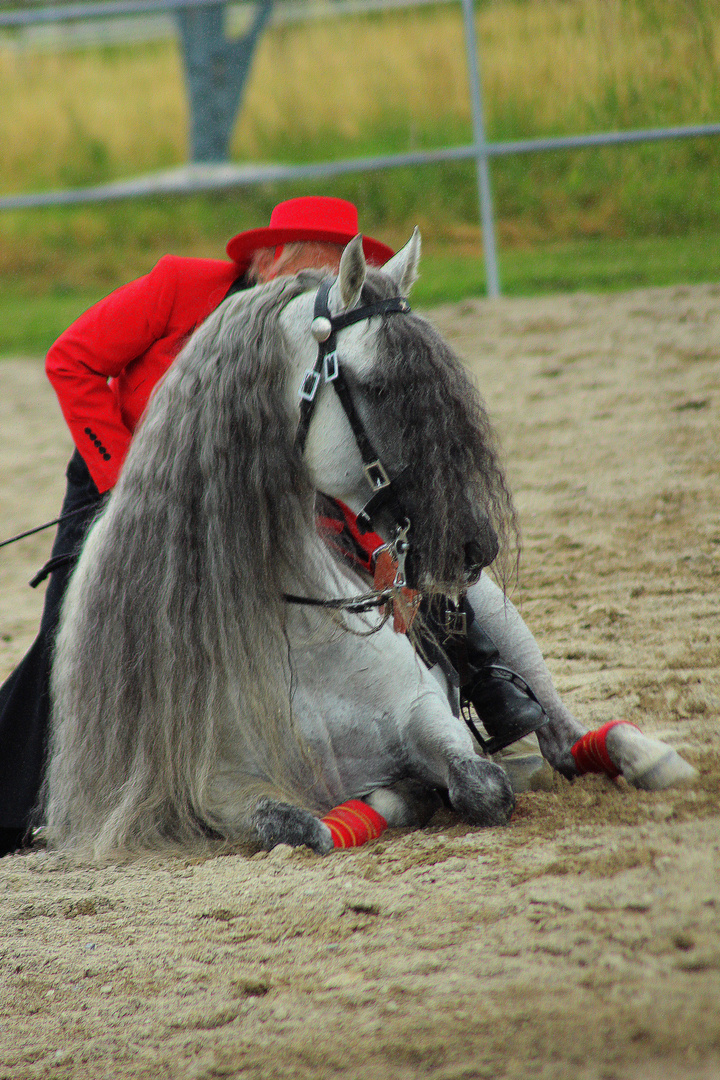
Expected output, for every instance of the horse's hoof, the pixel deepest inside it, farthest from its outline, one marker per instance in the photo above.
(276, 823)
(527, 772)
(647, 763)
(670, 770)
(480, 792)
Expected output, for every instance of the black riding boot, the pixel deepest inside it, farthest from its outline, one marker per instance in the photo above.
(502, 699)
(504, 702)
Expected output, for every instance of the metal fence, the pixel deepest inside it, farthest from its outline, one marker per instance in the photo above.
(195, 178)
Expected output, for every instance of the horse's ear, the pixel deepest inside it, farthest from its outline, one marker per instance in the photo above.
(345, 293)
(403, 267)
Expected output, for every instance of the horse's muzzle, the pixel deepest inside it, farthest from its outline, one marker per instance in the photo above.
(480, 551)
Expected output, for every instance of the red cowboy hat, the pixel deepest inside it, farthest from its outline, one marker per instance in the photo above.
(312, 217)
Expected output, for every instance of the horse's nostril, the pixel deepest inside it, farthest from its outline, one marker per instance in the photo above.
(480, 553)
(473, 553)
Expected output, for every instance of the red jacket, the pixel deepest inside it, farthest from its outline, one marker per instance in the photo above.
(105, 365)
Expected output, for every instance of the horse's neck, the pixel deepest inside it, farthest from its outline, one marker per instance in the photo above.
(322, 572)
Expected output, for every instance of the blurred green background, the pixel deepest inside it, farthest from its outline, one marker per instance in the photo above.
(600, 219)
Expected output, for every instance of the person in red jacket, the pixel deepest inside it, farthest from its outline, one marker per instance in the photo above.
(103, 369)
(105, 365)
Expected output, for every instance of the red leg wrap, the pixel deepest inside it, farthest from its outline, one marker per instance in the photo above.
(354, 823)
(590, 752)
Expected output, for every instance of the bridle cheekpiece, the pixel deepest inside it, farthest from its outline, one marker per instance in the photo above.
(328, 370)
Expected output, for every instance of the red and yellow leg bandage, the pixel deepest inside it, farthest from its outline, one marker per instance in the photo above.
(590, 752)
(354, 823)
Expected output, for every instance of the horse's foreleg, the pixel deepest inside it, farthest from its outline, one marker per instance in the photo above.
(480, 792)
(499, 617)
(615, 749)
(406, 804)
(271, 822)
(441, 753)
(620, 748)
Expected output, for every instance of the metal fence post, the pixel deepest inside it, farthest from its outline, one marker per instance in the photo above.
(487, 217)
(216, 71)
(209, 136)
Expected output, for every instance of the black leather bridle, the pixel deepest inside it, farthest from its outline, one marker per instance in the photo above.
(328, 369)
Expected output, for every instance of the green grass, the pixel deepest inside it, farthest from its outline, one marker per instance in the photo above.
(596, 265)
(594, 219)
(29, 323)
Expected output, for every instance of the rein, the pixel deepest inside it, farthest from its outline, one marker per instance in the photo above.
(363, 602)
(387, 597)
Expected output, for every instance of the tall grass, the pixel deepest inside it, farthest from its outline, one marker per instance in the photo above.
(371, 84)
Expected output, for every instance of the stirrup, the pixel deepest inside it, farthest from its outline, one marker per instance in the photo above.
(511, 729)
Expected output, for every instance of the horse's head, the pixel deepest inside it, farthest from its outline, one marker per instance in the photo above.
(390, 422)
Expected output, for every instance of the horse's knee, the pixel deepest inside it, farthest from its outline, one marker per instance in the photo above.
(274, 823)
(480, 792)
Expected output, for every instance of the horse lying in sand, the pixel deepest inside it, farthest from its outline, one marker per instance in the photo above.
(191, 698)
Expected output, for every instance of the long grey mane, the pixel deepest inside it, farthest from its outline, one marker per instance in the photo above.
(206, 518)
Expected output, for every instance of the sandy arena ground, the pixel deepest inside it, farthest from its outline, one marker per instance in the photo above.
(581, 942)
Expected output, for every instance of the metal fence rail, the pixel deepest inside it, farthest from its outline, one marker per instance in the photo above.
(287, 11)
(104, 10)
(191, 179)
(198, 177)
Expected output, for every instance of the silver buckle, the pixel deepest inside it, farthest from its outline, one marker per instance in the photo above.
(398, 549)
(330, 366)
(455, 621)
(401, 544)
(309, 385)
(376, 476)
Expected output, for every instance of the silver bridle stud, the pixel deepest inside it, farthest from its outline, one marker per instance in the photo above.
(321, 328)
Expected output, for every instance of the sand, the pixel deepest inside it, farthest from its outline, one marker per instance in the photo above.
(583, 940)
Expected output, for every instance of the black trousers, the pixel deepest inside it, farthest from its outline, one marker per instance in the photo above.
(25, 696)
